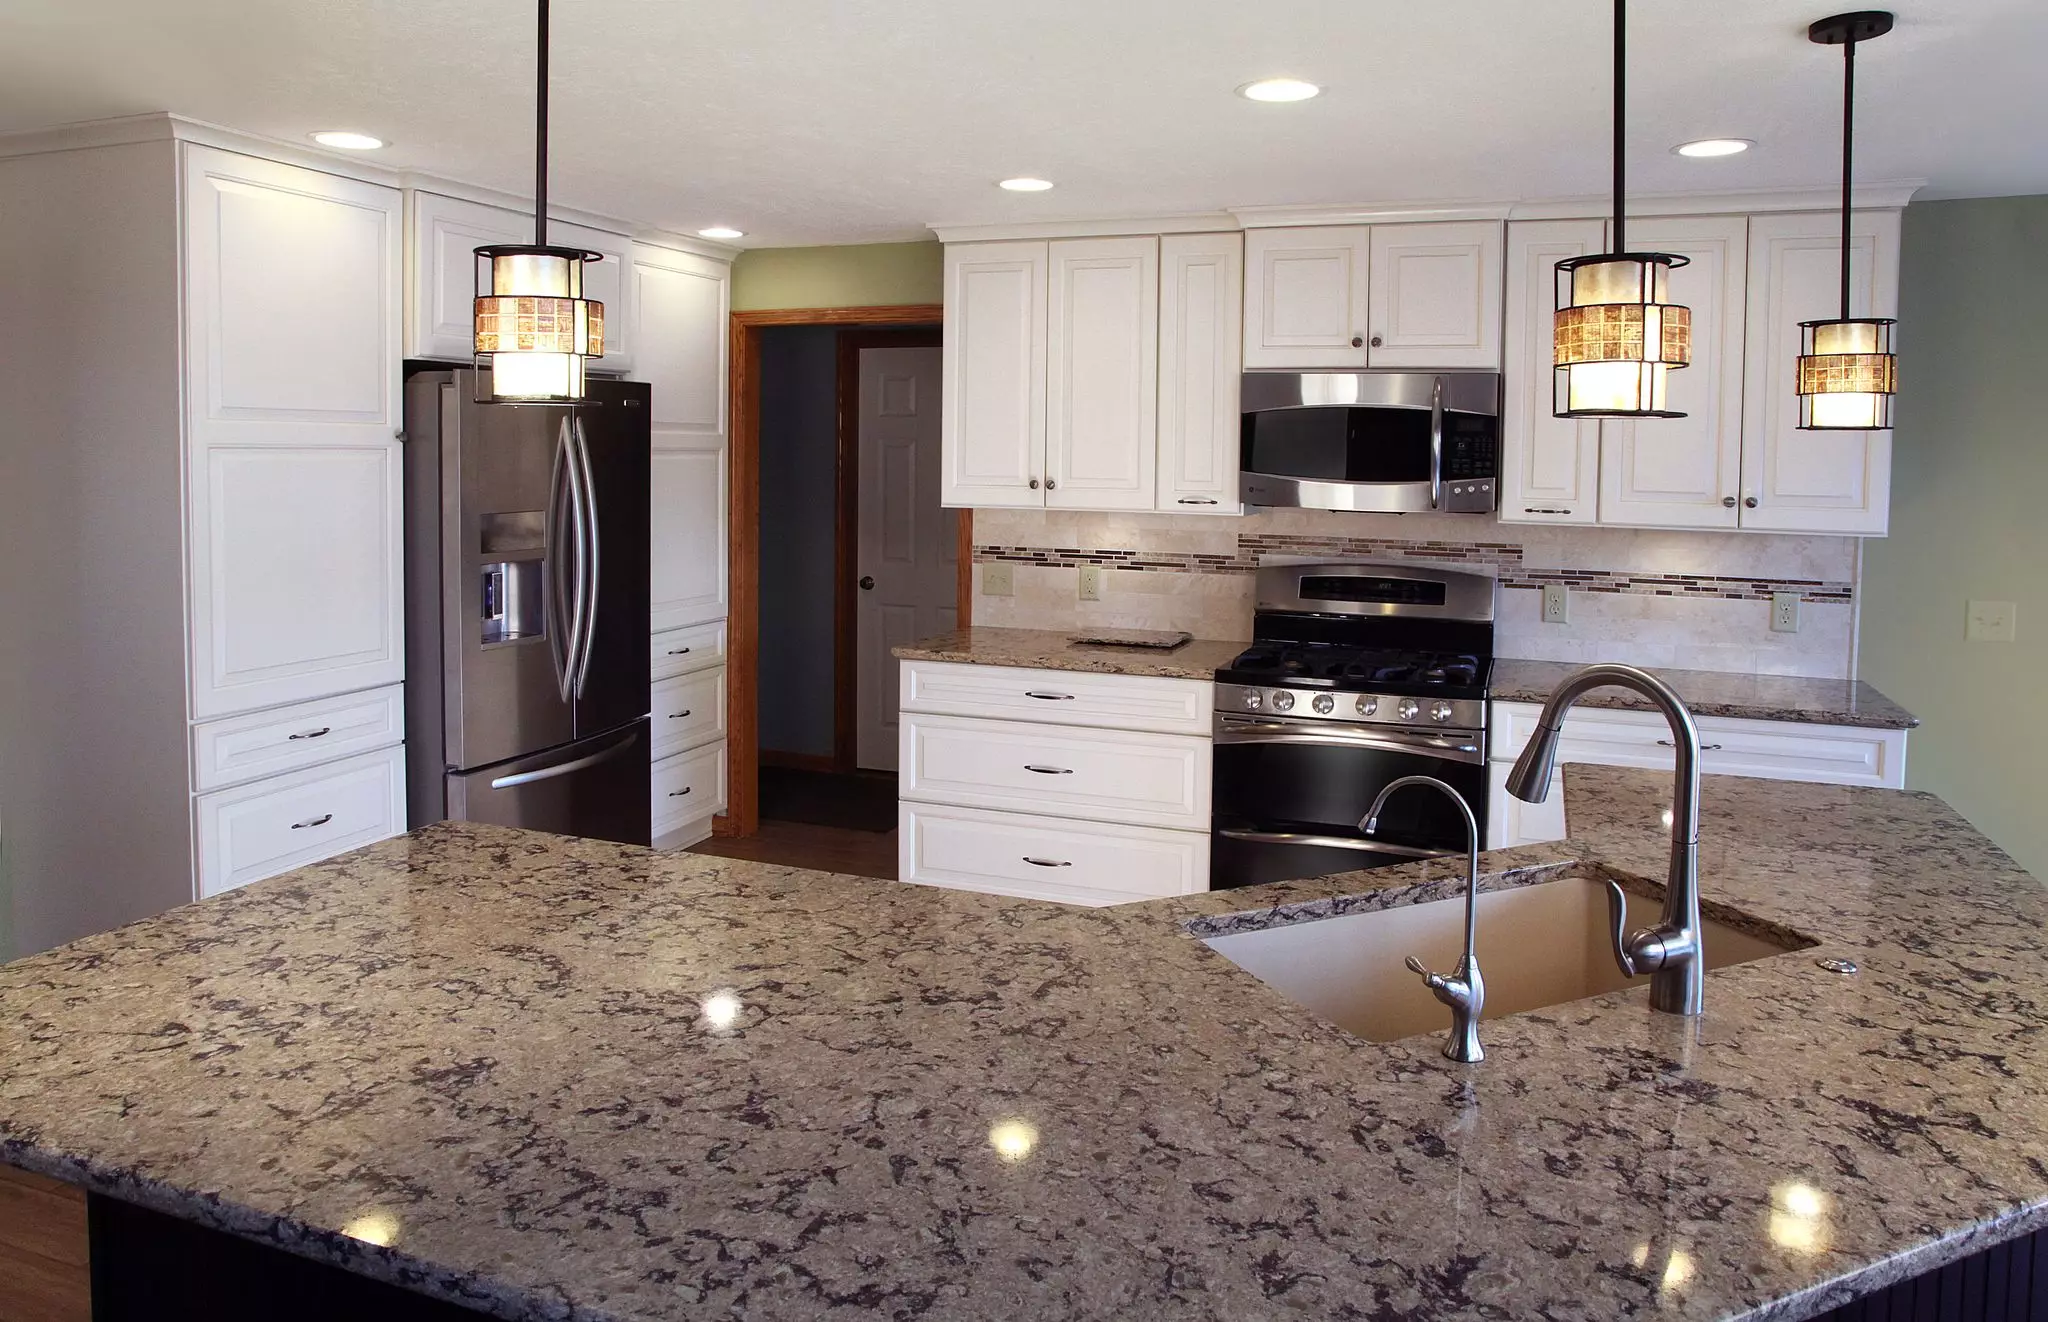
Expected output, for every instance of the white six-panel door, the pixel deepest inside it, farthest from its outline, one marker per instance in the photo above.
(1305, 296)
(1686, 472)
(1201, 356)
(1550, 466)
(1102, 383)
(995, 369)
(294, 293)
(1434, 295)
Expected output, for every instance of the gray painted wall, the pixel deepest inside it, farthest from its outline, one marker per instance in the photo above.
(1969, 483)
(798, 475)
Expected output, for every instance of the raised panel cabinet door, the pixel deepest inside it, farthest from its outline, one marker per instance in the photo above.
(1433, 297)
(1549, 466)
(994, 362)
(297, 587)
(1305, 296)
(294, 297)
(1201, 356)
(1811, 481)
(1685, 472)
(440, 290)
(680, 301)
(609, 281)
(686, 489)
(1102, 373)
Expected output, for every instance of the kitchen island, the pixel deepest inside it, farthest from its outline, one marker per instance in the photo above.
(552, 1078)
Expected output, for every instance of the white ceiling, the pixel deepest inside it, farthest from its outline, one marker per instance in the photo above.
(853, 121)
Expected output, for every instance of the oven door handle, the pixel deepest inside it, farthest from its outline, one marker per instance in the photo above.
(1329, 842)
(1436, 445)
(1234, 731)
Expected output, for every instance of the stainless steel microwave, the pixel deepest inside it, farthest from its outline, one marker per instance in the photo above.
(1387, 442)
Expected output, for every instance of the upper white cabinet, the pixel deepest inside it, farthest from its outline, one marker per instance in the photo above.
(1201, 299)
(1550, 466)
(1356, 296)
(686, 535)
(1102, 383)
(994, 358)
(1684, 472)
(441, 288)
(1811, 481)
(680, 304)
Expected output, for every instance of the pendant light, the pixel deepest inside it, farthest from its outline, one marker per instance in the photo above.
(1847, 371)
(534, 329)
(1617, 334)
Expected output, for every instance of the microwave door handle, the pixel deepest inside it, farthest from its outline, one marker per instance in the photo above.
(1436, 444)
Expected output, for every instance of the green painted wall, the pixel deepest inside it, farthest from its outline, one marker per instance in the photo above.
(1970, 515)
(857, 276)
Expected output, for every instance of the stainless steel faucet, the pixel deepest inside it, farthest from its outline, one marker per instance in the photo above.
(1671, 952)
(1463, 991)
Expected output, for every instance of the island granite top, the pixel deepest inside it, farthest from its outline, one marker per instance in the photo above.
(1719, 693)
(554, 1078)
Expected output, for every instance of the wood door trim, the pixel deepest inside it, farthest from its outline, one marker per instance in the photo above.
(742, 815)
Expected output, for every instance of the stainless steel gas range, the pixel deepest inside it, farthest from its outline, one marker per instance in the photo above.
(1360, 674)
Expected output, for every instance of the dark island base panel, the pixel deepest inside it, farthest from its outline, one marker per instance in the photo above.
(148, 1266)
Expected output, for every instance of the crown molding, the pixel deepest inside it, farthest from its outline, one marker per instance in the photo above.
(1275, 217)
(1879, 196)
(1195, 223)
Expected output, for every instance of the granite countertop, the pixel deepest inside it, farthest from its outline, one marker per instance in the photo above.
(1046, 649)
(1718, 693)
(553, 1078)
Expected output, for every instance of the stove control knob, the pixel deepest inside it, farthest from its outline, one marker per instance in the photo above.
(1368, 706)
(1283, 700)
(1324, 704)
(1408, 708)
(1252, 699)
(1440, 712)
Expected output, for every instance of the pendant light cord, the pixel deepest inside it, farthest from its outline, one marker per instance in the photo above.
(1620, 116)
(1848, 155)
(540, 136)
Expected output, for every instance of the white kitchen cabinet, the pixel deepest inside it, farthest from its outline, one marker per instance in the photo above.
(268, 743)
(1201, 356)
(1305, 303)
(994, 367)
(688, 790)
(1156, 703)
(1102, 373)
(680, 342)
(1811, 481)
(1433, 296)
(610, 282)
(282, 822)
(687, 536)
(1686, 472)
(679, 651)
(1047, 858)
(1550, 466)
(689, 711)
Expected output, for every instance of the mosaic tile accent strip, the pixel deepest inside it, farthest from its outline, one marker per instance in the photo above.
(1504, 558)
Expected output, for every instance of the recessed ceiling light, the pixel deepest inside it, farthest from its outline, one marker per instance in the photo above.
(1026, 184)
(721, 232)
(347, 141)
(1714, 147)
(1278, 89)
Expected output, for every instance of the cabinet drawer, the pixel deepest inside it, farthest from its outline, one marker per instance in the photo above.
(1099, 775)
(266, 743)
(255, 831)
(688, 710)
(1046, 858)
(679, 651)
(1059, 697)
(687, 787)
(1772, 750)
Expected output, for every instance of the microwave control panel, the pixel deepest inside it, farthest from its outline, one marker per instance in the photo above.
(1471, 464)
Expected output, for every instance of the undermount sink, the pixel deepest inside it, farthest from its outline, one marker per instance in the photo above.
(1539, 945)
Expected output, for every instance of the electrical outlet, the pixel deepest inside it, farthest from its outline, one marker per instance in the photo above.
(998, 579)
(1091, 582)
(1784, 612)
(1992, 622)
(1557, 604)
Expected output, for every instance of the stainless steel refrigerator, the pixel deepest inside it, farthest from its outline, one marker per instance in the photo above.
(526, 563)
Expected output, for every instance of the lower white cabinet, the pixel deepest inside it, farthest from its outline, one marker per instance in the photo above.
(268, 743)
(1769, 750)
(1107, 775)
(689, 710)
(688, 791)
(282, 822)
(1047, 858)
(687, 742)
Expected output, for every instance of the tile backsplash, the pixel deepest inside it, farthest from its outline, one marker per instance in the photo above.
(1699, 600)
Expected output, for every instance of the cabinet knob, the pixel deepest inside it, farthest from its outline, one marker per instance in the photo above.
(1034, 484)
(1728, 502)
(1375, 341)
(1749, 502)
(1358, 341)
(1050, 484)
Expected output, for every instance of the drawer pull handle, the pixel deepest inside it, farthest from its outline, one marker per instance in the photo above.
(678, 651)
(677, 794)
(1203, 501)
(1704, 748)
(1049, 771)
(322, 820)
(1043, 696)
(678, 715)
(1047, 862)
(310, 734)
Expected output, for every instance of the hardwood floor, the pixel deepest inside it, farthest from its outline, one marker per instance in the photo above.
(43, 1250)
(802, 845)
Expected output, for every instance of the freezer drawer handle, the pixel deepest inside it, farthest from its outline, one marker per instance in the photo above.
(677, 794)
(564, 769)
(310, 734)
(322, 820)
(1048, 697)
(1049, 771)
(1047, 862)
(1704, 748)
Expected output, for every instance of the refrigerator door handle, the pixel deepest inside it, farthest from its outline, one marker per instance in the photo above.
(587, 601)
(565, 448)
(552, 605)
(568, 768)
